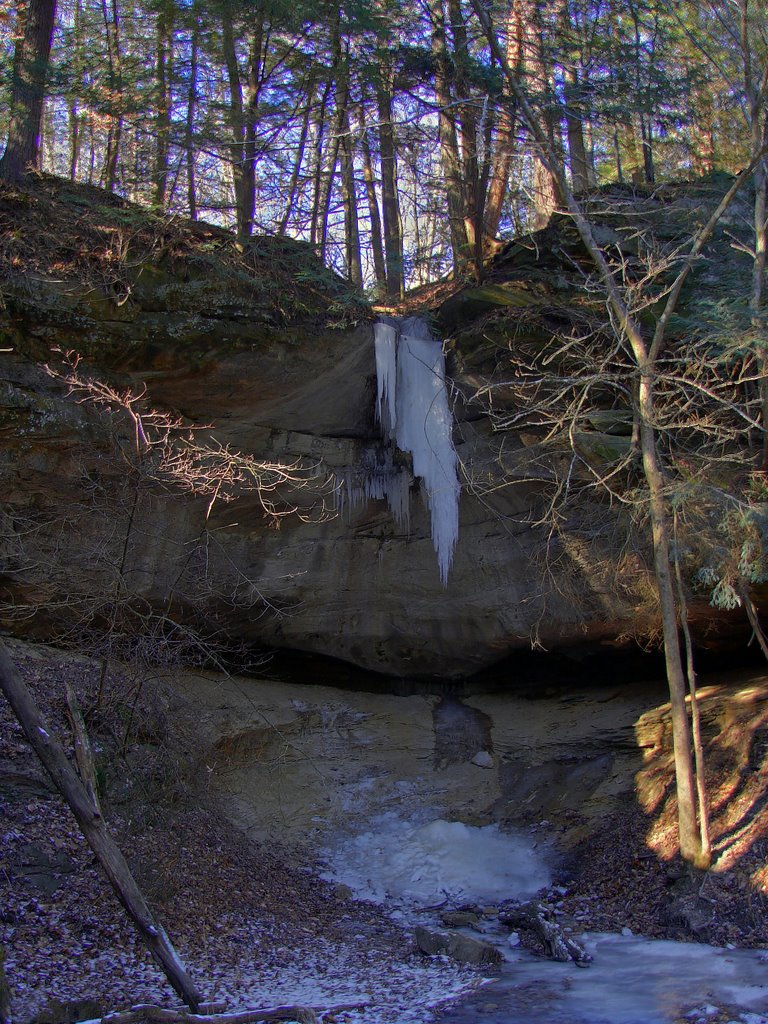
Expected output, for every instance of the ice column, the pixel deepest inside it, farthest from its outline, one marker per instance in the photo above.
(414, 414)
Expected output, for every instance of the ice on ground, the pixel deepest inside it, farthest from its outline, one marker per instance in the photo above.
(427, 863)
(392, 992)
(630, 981)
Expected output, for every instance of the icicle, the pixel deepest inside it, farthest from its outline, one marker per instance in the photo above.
(385, 341)
(414, 415)
(376, 478)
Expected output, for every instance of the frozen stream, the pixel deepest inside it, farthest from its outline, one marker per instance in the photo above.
(413, 866)
(630, 981)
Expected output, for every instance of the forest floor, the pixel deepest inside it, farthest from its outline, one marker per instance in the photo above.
(254, 925)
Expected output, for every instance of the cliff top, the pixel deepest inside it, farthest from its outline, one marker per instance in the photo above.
(72, 235)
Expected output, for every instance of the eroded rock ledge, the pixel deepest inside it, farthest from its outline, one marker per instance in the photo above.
(276, 355)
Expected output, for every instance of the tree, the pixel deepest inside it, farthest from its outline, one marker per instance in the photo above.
(646, 350)
(34, 32)
(393, 241)
(115, 86)
(89, 818)
(164, 85)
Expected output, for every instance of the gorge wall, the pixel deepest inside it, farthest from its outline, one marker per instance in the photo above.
(275, 357)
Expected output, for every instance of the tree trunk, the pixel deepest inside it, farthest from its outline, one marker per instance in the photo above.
(696, 733)
(582, 170)
(574, 124)
(757, 296)
(66, 780)
(319, 127)
(243, 107)
(354, 261)
(646, 136)
(75, 140)
(544, 195)
(529, 31)
(505, 132)
(377, 244)
(163, 72)
(114, 56)
(472, 194)
(393, 245)
(756, 87)
(76, 118)
(189, 135)
(689, 836)
(449, 145)
(326, 193)
(352, 254)
(30, 69)
(293, 186)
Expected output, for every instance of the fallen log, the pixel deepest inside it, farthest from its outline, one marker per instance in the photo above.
(538, 918)
(88, 815)
(149, 1013)
(86, 765)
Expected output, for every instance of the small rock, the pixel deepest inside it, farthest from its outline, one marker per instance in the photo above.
(483, 759)
(460, 919)
(462, 948)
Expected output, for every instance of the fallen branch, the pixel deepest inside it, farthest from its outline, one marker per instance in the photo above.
(148, 1012)
(539, 919)
(88, 815)
(86, 765)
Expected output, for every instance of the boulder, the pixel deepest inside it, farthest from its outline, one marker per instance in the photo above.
(459, 947)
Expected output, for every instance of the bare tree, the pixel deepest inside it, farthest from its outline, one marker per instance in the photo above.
(646, 351)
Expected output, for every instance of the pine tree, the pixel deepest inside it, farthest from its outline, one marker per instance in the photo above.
(30, 67)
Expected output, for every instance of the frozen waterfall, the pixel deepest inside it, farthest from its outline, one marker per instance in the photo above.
(415, 417)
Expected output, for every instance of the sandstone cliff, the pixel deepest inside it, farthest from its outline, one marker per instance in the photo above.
(273, 355)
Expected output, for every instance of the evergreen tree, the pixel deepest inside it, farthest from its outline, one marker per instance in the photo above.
(34, 32)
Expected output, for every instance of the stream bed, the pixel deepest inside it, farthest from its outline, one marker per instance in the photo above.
(417, 869)
(630, 981)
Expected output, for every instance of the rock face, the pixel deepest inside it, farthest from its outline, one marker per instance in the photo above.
(282, 369)
(318, 765)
